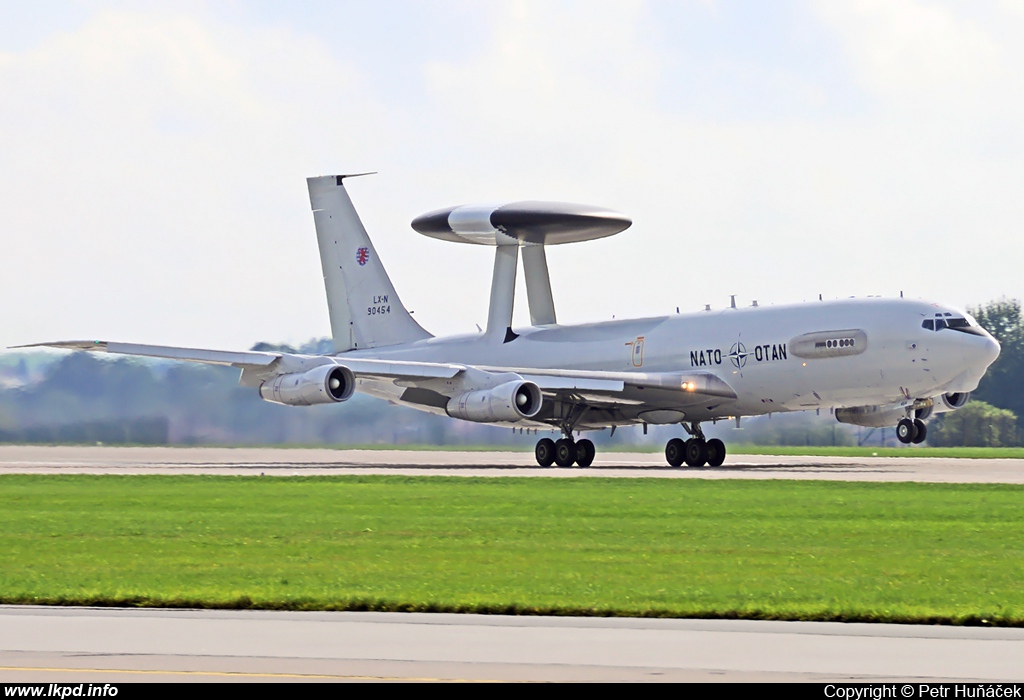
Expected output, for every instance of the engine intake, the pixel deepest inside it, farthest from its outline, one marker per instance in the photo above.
(508, 402)
(943, 404)
(952, 401)
(323, 384)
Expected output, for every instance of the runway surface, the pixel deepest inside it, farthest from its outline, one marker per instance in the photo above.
(113, 645)
(16, 459)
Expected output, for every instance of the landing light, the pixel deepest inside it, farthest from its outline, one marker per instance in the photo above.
(689, 386)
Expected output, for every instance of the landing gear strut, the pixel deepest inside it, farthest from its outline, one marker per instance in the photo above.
(697, 451)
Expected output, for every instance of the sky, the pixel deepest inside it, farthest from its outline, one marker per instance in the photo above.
(153, 155)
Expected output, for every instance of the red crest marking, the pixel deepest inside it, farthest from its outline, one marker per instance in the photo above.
(362, 255)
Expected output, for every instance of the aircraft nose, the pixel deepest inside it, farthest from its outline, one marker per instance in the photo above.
(991, 350)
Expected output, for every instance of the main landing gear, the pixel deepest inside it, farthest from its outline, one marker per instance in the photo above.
(911, 431)
(565, 452)
(696, 451)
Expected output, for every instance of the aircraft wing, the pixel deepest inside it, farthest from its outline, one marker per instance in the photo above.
(614, 391)
(209, 357)
(264, 363)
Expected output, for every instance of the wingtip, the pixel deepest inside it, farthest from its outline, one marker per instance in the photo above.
(65, 345)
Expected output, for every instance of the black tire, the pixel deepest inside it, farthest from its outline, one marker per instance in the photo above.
(716, 452)
(585, 452)
(545, 452)
(696, 452)
(922, 431)
(565, 452)
(906, 431)
(675, 452)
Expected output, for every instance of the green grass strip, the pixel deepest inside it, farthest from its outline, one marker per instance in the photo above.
(788, 550)
(908, 451)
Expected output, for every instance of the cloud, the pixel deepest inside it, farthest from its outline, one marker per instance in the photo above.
(911, 51)
(154, 171)
(153, 186)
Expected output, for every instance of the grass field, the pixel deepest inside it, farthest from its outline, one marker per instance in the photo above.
(754, 549)
(909, 451)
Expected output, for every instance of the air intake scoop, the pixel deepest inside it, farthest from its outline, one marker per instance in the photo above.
(521, 223)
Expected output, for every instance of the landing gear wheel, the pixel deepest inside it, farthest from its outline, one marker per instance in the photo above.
(716, 452)
(675, 452)
(696, 452)
(565, 452)
(585, 452)
(545, 452)
(906, 431)
(922, 431)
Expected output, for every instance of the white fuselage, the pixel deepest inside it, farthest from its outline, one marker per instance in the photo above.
(752, 349)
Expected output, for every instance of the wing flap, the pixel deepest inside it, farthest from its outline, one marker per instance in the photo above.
(557, 383)
(385, 369)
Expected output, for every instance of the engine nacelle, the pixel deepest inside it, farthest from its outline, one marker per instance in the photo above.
(508, 402)
(323, 384)
(952, 401)
(944, 404)
(884, 416)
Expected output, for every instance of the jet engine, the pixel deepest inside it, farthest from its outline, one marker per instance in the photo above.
(508, 402)
(323, 384)
(884, 416)
(944, 404)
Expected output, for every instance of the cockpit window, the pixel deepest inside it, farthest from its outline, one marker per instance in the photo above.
(955, 323)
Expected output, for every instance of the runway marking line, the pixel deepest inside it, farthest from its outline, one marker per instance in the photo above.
(242, 674)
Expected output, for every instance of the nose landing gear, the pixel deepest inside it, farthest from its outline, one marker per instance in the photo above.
(911, 431)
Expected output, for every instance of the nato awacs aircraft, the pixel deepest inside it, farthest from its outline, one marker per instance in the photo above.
(873, 362)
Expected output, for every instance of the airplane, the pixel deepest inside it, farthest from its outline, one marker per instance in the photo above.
(872, 362)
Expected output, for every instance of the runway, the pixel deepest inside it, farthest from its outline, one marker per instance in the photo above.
(117, 645)
(251, 461)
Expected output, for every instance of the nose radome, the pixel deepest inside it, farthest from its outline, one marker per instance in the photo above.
(991, 350)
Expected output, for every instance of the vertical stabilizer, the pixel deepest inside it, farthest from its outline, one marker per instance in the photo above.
(365, 310)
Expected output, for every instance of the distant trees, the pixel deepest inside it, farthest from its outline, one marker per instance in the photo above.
(977, 424)
(1003, 384)
(85, 398)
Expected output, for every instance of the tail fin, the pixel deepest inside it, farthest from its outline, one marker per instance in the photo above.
(365, 310)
